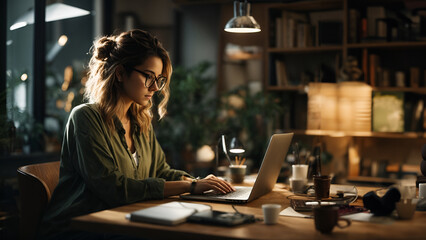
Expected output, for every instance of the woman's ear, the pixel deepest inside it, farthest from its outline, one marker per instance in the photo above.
(119, 73)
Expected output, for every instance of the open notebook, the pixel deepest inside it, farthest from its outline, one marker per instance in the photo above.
(266, 178)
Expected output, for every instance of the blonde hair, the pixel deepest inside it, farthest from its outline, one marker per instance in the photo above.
(128, 49)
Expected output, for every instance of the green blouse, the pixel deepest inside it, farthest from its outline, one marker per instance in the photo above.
(98, 171)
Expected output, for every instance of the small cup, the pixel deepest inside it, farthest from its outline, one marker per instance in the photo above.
(406, 208)
(237, 173)
(298, 185)
(422, 190)
(271, 213)
(300, 171)
(322, 186)
(326, 217)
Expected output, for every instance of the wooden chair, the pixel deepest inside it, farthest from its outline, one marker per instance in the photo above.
(36, 185)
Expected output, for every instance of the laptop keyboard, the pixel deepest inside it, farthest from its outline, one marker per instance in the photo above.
(242, 192)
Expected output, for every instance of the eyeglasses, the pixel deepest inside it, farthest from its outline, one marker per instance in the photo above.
(151, 78)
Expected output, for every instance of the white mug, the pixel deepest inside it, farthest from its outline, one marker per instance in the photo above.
(271, 213)
(300, 171)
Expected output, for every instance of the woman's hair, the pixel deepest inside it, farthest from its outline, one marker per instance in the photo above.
(128, 50)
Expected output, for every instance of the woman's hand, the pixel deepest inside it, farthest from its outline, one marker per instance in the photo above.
(214, 183)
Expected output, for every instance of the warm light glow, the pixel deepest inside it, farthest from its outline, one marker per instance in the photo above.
(67, 78)
(242, 22)
(205, 154)
(68, 104)
(24, 77)
(60, 104)
(242, 30)
(237, 150)
(345, 107)
(62, 40)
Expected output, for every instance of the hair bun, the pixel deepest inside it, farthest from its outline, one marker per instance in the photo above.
(104, 47)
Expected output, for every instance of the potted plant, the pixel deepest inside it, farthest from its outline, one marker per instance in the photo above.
(191, 120)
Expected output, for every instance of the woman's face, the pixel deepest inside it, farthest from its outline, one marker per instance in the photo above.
(134, 84)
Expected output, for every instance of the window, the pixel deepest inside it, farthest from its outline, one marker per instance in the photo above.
(66, 38)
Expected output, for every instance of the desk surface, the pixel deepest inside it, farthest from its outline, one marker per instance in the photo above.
(113, 221)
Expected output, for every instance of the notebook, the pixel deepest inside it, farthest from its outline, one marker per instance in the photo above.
(265, 180)
(171, 213)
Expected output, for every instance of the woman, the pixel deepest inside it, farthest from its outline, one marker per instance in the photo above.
(110, 155)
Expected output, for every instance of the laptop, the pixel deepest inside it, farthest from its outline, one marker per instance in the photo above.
(265, 180)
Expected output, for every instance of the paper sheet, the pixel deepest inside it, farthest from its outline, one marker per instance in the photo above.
(359, 217)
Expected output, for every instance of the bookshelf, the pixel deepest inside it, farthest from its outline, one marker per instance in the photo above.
(381, 55)
(391, 52)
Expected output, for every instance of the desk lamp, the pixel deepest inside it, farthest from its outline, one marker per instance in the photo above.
(235, 147)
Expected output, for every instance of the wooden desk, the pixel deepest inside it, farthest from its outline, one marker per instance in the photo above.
(113, 221)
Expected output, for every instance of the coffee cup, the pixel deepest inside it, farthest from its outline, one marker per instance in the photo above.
(298, 185)
(322, 186)
(422, 190)
(326, 217)
(300, 171)
(406, 208)
(271, 213)
(237, 173)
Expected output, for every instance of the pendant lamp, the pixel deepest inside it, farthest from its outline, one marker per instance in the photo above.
(242, 22)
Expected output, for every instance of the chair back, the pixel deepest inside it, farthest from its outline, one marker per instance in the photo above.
(36, 184)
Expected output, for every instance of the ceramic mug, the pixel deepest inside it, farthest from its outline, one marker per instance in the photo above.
(326, 217)
(300, 171)
(322, 186)
(406, 208)
(237, 173)
(298, 185)
(271, 213)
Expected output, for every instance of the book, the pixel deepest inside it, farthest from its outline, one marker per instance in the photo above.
(365, 64)
(388, 112)
(414, 77)
(416, 116)
(374, 13)
(374, 65)
(281, 73)
(171, 213)
(278, 32)
(289, 25)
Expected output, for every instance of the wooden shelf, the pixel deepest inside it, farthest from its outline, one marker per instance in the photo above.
(331, 133)
(243, 56)
(387, 45)
(306, 49)
(421, 90)
(375, 181)
(286, 88)
(349, 46)
(310, 5)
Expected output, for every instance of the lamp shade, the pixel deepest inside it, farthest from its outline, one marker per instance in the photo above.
(242, 22)
(235, 146)
(54, 12)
